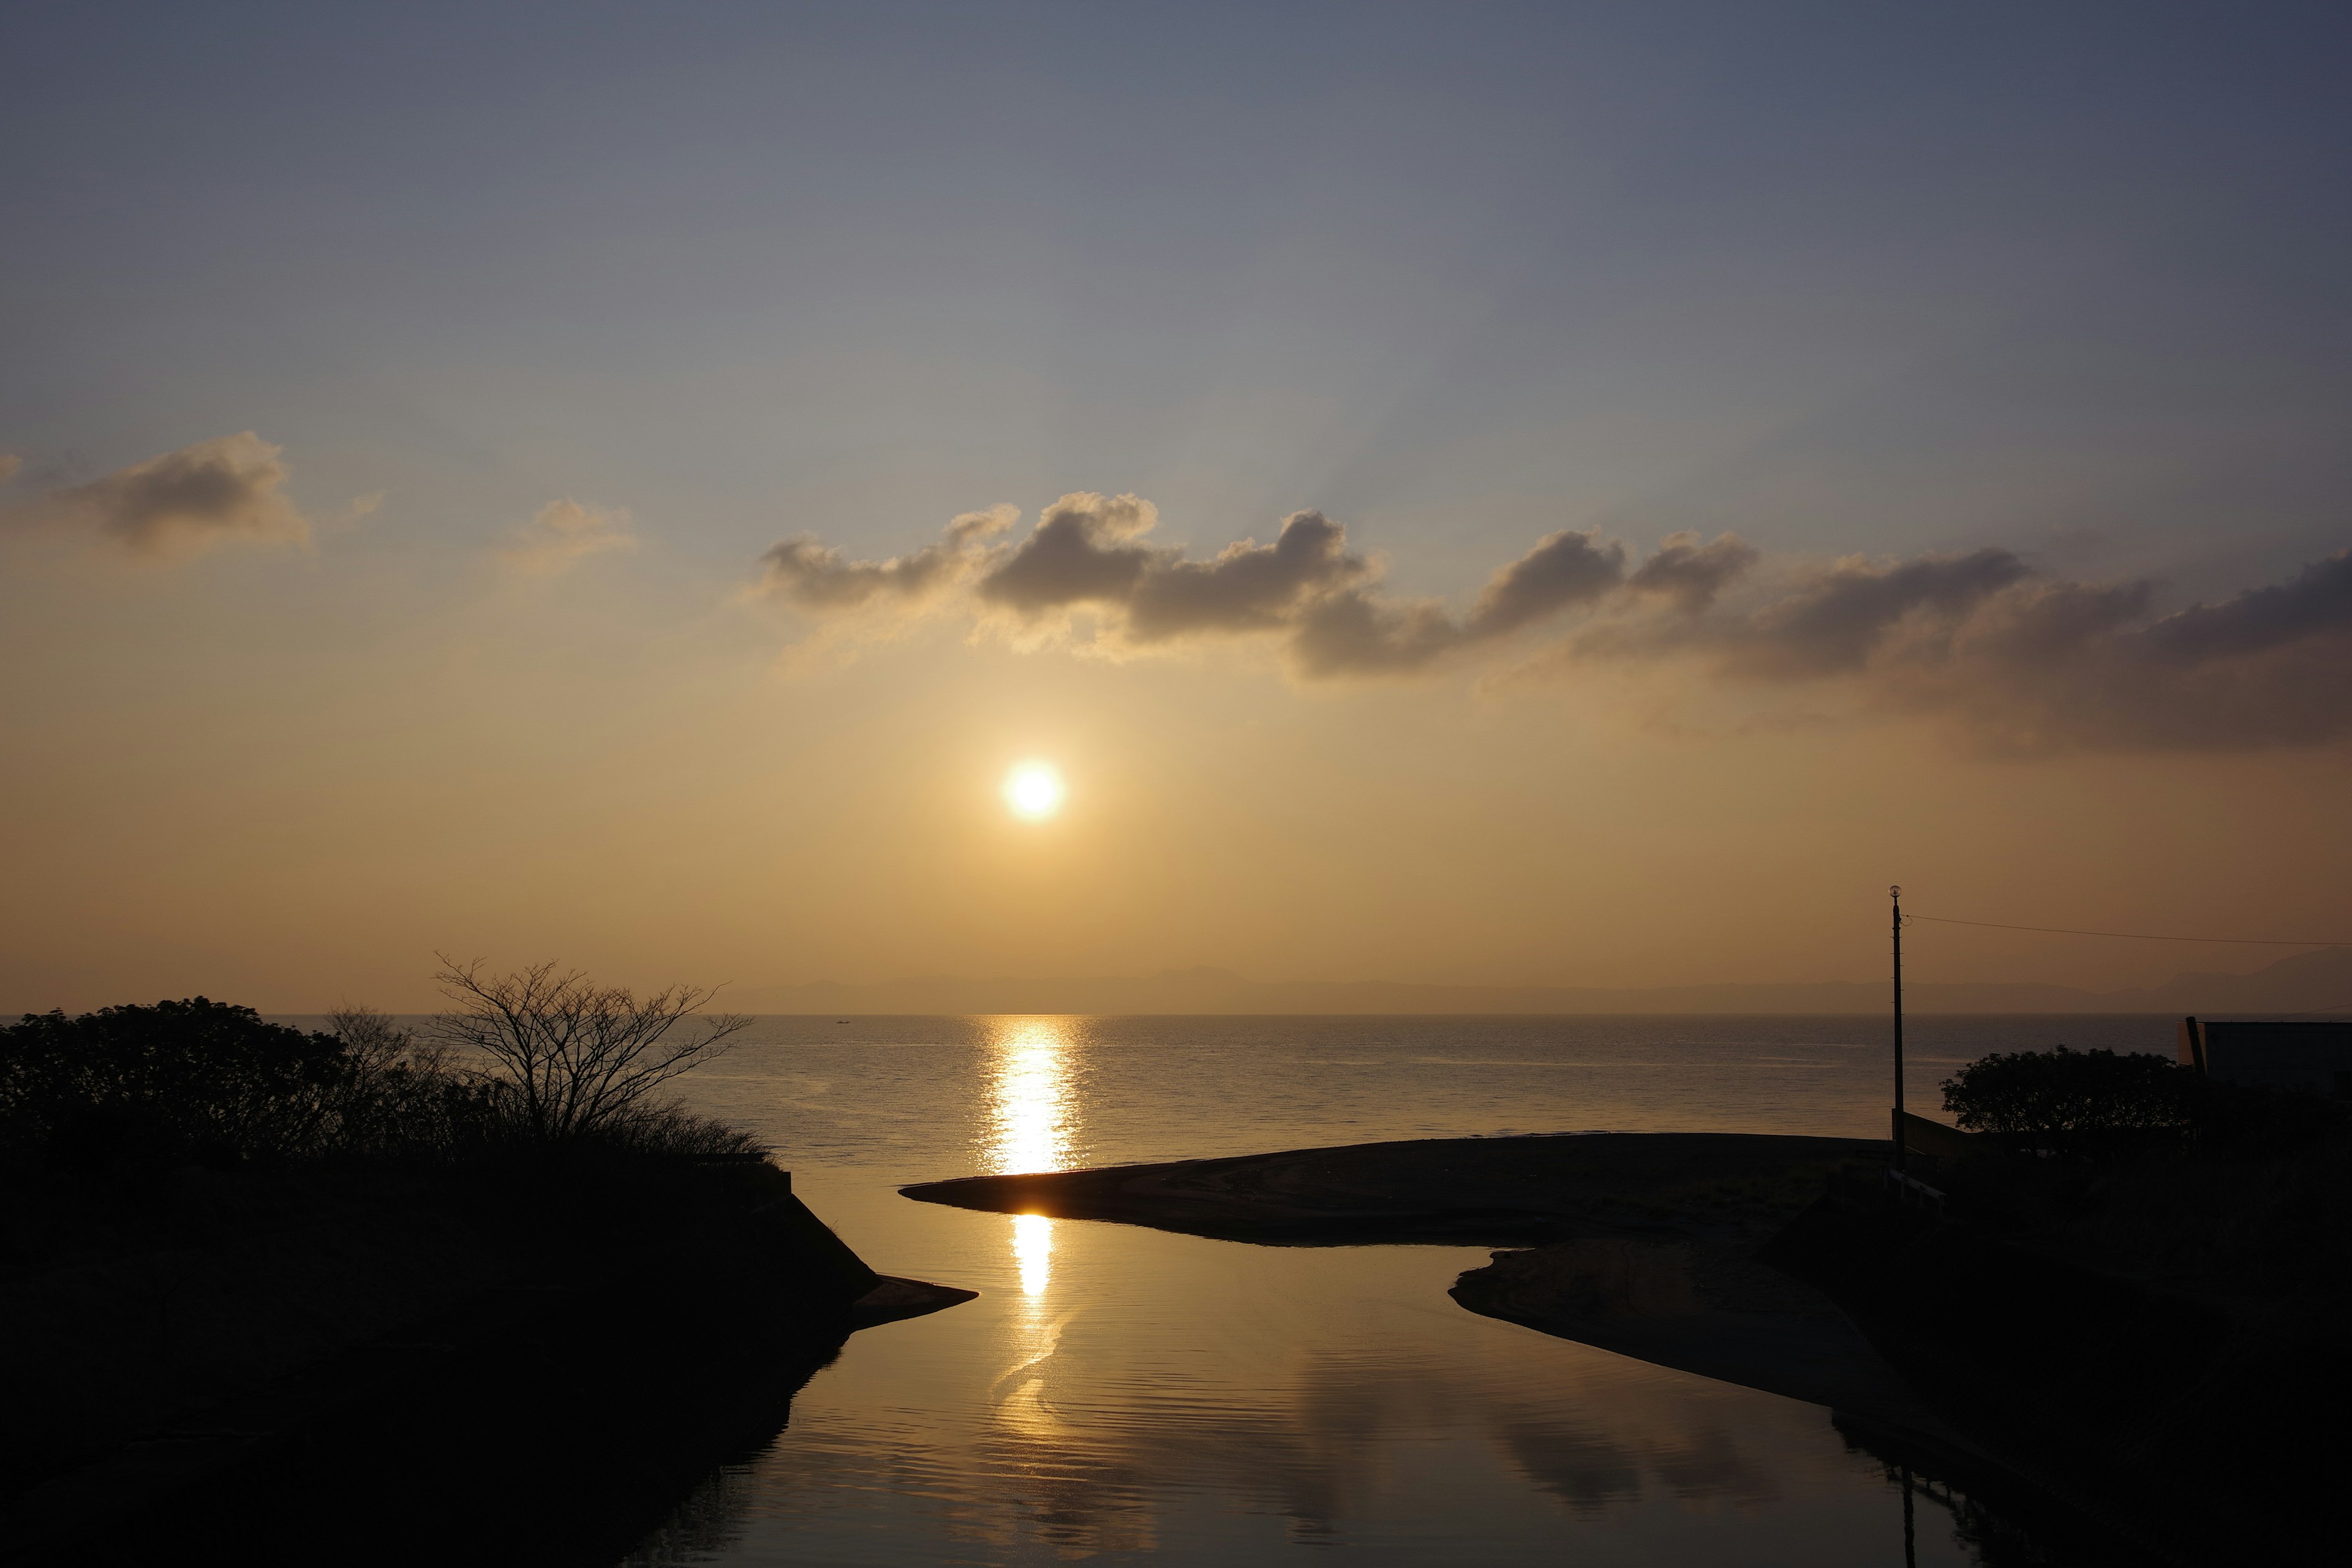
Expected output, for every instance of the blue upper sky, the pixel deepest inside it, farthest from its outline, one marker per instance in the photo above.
(2070, 278)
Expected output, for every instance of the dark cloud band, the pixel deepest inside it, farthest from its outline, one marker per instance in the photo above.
(2021, 661)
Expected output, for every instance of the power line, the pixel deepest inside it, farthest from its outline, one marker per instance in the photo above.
(2143, 936)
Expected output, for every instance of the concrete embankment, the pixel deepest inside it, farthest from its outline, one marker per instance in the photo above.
(639, 1337)
(2200, 1425)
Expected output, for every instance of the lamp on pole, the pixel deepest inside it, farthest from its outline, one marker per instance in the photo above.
(1895, 894)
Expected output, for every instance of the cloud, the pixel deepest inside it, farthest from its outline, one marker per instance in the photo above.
(815, 577)
(9, 465)
(2024, 664)
(1689, 575)
(2016, 660)
(181, 504)
(1246, 587)
(1842, 615)
(1090, 554)
(563, 533)
(1081, 553)
(1357, 633)
(2045, 666)
(1084, 553)
(2315, 603)
(1563, 570)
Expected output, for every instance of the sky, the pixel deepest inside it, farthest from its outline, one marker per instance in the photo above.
(1578, 494)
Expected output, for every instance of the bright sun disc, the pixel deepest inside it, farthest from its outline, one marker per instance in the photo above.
(1033, 791)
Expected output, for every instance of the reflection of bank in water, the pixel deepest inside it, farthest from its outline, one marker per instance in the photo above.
(1990, 1514)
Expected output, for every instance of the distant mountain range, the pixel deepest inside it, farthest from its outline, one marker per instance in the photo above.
(2308, 982)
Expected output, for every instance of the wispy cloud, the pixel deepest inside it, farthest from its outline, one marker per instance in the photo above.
(2016, 660)
(564, 533)
(227, 490)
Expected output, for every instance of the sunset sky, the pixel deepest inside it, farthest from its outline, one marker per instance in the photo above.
(626, 484)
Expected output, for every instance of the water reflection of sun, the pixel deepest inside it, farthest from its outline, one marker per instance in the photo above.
(1032, 1252)
(1032, 1123)
(1032, 1110)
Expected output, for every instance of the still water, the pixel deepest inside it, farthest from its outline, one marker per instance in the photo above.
(1119, 1393)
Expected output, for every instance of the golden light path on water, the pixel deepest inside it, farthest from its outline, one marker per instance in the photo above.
(1032, 1117)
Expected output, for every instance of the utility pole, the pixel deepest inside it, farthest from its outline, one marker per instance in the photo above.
(1896, 893)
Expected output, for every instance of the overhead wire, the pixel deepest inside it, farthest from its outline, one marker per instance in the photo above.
(2142, 936)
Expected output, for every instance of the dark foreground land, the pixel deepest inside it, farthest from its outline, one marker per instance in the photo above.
(527, 1364)
(2147, 1360)
(270, 1295)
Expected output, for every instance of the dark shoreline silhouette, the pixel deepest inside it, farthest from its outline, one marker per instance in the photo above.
(482, 1294)
(630, 1328)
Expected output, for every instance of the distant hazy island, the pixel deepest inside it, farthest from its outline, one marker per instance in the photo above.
(2307, 982)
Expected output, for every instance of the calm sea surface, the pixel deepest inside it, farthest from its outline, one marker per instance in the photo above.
(1117, 1394)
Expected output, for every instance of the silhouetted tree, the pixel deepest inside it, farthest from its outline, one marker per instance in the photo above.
(398, 1094)
(567, 1059)
(2071, 1102)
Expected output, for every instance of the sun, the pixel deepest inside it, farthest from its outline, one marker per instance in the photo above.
(1033, 791)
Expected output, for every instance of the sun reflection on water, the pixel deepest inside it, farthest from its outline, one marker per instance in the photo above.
(1033, 1118)
(1032, 1108)
(1032, 1252)
(1032, 1113)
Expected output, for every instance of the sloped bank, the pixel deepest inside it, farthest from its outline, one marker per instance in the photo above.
(2204, 1423)
(567, 1351)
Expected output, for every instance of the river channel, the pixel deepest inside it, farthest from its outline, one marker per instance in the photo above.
(1117, 1394)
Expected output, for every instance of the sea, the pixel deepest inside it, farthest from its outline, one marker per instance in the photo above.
(1117, 1395)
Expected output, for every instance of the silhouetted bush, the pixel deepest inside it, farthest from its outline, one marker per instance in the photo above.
(2073, 1104)
(191, 1081)
(134, 1090)
(2097, 1105)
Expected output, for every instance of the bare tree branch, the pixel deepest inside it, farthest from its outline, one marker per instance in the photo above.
(570, 1057)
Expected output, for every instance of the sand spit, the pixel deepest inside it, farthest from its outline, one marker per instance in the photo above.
(1639, 1243)
(1642, 1244)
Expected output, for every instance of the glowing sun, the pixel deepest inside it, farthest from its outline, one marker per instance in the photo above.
(1033, 791)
